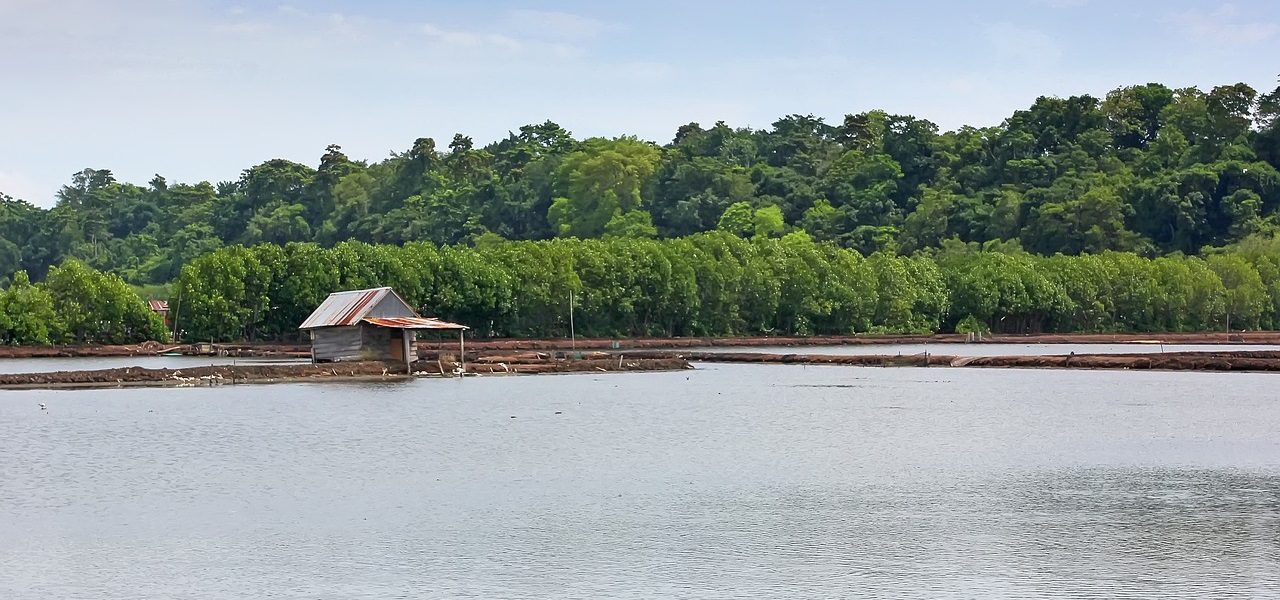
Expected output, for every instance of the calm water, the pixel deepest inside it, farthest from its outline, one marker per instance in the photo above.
(733, 481)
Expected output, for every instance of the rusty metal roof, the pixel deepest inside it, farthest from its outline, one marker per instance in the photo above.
(413, 323)
(342, 309)
(158, 305)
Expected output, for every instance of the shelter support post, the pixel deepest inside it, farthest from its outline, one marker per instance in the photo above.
(462, 351)
(408, 358)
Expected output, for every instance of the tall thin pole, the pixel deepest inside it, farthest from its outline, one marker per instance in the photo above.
(176, 310)
(573, 338)
(462, 351)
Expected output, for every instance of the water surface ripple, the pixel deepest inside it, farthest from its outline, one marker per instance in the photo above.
(732, 481)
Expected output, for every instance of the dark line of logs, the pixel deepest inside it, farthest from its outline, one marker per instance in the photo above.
(1170, 361)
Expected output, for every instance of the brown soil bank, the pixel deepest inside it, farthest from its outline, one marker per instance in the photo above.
(1170, 361)
(143, 349)
(1252, 337)
(475, 346)
(357, 371)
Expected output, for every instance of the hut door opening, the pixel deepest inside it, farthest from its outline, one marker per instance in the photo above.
(397, 345)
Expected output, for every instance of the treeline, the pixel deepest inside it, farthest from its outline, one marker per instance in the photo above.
(1146, 169)
(721, 284)
(75, 305)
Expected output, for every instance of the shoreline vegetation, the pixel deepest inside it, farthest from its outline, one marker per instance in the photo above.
(1151, 209)
(706, 285)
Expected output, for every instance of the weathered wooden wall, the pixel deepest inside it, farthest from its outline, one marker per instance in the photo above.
(337, 343)
(360, 342)
(390, 307)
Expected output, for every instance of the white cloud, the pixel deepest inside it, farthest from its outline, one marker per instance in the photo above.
(1224, 25)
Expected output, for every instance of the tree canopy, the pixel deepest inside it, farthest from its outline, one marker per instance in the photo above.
(1147, 169)
(1151, 208)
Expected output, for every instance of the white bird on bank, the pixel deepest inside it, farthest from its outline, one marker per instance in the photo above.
(43, 407)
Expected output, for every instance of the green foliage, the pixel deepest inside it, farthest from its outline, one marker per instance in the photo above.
(707, 284)
(721, 231)
(27, 316)
(1148, 169)
(632, 224)
(602, 181)
(737, 219)
(972, 324)
(98, 308)
(1246, 297)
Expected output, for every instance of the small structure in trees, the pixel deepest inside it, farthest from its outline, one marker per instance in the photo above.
(375, 324)
(160, 307)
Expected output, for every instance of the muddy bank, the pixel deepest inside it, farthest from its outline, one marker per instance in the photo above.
(1172, 361)
(143, 349)
(199, 376)
(498, 345)
(477, 347)
(336, 372)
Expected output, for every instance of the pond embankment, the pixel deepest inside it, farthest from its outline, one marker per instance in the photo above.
(475, 347)
(330, 372)
(1265, 360)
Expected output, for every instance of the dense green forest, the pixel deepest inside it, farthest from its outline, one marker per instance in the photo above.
(712, 283)
(1147, 169)
(1149, 209)
(721, 284)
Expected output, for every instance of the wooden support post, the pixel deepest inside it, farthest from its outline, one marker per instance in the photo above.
(408, 360)
(462, 352)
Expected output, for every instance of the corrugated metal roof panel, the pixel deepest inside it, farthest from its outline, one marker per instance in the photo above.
(342, 309)
(158, 305)
(413, 323)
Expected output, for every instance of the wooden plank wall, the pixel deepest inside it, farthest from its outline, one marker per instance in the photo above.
(337, 343)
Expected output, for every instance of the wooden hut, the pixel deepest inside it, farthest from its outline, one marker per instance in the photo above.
(375, 324)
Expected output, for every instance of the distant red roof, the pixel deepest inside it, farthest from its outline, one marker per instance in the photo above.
(158, 305)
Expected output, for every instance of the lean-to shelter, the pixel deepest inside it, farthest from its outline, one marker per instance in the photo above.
(373, 324)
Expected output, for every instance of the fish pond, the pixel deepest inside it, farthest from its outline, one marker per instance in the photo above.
(729, 481)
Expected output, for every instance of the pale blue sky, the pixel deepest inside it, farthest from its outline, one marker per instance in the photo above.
(200, 89)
